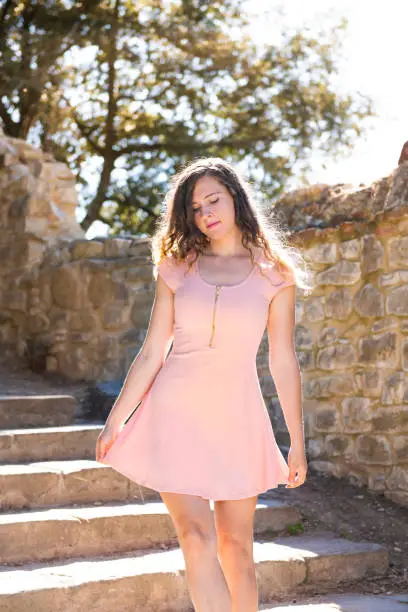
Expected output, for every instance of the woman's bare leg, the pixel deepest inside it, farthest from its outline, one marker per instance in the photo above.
(194, 525)
(234, 524)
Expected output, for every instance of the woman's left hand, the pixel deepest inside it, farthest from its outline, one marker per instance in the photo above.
(297, 467)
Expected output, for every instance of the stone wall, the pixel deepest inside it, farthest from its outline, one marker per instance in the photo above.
(352, 336)
(37, 203)
(81, 307)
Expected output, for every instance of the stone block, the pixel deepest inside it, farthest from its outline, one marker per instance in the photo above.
(342, 273)
(314, 309)
(372, 254)
(338, 445)
(117, 247)
(397, 301)
(393, 278)
(303, 338)
(380, 350)
(141, 309)
(327, 336)
(369, 302)
(357, 414)
(322, 253)
(339, 304)
(400, 447)
(328, 467)
(369, 382)
(398, 479)
(350, 249)
(115, 316)
(101, 288)
(395, 389)
(391, 419)
(382, 325)
(299, 311)
(305, 360)
(336, 357)
(329, 386)
(398, 252)
(86, 249)
(327, 417)
(83, 320)
(315, 447)
(36, 410)
(373, 449)
(68, 288)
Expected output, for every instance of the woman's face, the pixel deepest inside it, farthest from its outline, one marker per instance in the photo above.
(212, 203)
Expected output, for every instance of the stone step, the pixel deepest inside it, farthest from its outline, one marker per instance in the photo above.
(352, 602)
(62, 483)
(43, 535)
(155, 580)
(36, 410)
(49, 443)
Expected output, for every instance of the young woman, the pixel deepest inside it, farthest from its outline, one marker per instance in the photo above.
(202, 431)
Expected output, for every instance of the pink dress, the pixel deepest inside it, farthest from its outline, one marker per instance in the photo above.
(203, 427)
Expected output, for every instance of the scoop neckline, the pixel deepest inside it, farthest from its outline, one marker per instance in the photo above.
(221, 284)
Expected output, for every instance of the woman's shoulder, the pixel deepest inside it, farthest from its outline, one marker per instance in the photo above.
(276, 276)
(173, 270)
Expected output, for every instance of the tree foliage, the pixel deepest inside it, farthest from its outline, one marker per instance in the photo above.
(132, 90)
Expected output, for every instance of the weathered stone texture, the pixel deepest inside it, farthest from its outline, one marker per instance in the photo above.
(373, 449)
(397, 301)
(357, 414)
(391, 419)
(372, 254)
(342, 273)
(329, 386)
(398, 252)
(350, 249)
(369, 382)
(336, 357)
(314, 309)
(369, 301)
(339, 304)
(380, 350)
(324, 253)
(327, 418)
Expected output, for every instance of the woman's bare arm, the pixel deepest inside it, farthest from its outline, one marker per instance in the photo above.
(150, 358)
(283, 363)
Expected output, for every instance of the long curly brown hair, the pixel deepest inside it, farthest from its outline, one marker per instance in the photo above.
(176, 233)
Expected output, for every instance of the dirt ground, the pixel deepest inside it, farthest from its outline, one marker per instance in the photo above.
(330, 504)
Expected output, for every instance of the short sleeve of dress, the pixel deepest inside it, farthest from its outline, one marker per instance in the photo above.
(276, 280)
(172, 272)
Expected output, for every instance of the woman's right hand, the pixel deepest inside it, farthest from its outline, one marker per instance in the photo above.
(106, 438)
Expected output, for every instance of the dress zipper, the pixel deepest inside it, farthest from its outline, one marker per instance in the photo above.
(217, 293)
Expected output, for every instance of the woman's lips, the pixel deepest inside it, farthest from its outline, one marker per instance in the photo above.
(212, 225)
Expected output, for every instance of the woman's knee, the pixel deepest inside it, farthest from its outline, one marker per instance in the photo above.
(197, 534)
(235, 545)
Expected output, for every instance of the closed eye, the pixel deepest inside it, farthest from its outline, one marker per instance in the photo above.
(199, 207)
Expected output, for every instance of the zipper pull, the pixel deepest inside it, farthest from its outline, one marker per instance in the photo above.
(217, 292)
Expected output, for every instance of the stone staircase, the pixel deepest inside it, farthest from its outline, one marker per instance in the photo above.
(75, 534)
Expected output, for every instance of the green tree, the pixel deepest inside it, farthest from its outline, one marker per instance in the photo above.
(35, 35)
(166, 81)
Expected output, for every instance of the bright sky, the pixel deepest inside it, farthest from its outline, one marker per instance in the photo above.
(373, 63)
